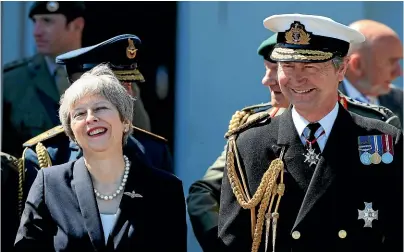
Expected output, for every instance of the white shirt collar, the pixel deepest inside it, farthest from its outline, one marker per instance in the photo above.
(354, 93)
(326, 122)
(52, 66)
(351, 91)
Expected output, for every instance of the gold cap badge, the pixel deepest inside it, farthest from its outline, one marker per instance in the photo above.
(52, 6)
(297, 34)
(131, 50)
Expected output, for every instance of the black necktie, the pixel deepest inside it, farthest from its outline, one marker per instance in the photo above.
(313, 127)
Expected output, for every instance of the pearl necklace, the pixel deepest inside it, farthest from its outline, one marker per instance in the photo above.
(121, 187)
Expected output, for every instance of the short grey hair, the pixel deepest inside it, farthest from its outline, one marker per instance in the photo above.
(337, 62)
(98, 81)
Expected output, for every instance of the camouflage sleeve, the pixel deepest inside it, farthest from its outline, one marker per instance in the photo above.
(203, 204)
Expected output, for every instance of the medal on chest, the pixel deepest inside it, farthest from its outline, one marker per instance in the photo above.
(311, 156)
(364, 148)
(387, 156)
(375, 157)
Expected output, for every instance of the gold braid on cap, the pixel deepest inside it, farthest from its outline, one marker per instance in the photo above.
(129, 75)
(266, 191)
(43, 156)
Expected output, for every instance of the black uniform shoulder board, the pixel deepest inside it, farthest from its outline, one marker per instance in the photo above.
(15, 64)
(43, 136)
(247, 117)
(142, 131)
(258, 107)
(379, 112)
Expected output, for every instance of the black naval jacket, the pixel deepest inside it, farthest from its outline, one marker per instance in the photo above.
(318, 208)
(61, 212)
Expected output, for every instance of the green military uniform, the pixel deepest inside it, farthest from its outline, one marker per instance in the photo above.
(204, 195)
(30, 95)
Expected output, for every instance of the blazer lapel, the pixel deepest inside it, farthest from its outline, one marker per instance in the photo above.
(294, 155)
(83, 187)
(131, 216)
(326, 169)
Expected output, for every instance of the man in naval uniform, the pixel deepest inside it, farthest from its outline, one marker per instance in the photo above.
(53, 147)
(317, 177)
(204, 195)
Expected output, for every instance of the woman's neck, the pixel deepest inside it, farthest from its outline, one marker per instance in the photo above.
(105, 169)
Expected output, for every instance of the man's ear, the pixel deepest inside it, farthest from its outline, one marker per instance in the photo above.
(355, 65)
(343, 68)
(78, 24)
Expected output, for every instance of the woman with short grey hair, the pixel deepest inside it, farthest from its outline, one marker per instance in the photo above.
(99, 81)
(111, 199)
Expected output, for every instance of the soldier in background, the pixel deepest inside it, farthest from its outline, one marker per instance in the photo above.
(32, 86)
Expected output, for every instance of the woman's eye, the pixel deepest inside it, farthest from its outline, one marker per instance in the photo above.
(100, 108)
(78, 114)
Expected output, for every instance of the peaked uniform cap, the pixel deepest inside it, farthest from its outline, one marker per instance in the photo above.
(309, 38)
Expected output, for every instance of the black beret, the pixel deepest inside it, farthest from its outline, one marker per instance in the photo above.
(71, 10)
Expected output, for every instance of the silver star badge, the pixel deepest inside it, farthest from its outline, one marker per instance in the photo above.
(368, 214)
(133, 194)
(311, 156)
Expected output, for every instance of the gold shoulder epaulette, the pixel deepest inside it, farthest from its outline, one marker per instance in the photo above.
(247, 115)
(241, 120)
(258, 107)
(43, 136)
(149, 133)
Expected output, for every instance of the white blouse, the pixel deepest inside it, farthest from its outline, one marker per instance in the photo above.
(107, 221)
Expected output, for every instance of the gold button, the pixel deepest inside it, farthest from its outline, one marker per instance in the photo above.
(296, 235)
(342, 234)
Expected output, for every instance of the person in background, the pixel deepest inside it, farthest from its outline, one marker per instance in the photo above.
(32, 86)
(112, 196)
(374, 65)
